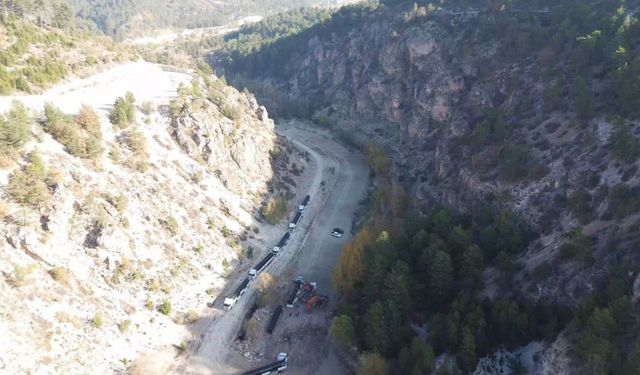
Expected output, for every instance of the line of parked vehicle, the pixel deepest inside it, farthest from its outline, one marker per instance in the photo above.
(232, 298)
(281, 363)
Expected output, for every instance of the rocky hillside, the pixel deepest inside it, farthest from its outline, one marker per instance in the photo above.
(530, 109)
(120, 223)
(501, 113)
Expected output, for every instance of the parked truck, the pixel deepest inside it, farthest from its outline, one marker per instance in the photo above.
(304, 204)
(261, 265)
(296, 220)
(293, 294)
(274, 319)
(273, 368)
(231, 299)
(280, 245)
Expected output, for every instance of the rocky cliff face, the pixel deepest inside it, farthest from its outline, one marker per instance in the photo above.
(467, 123)
(126, 250)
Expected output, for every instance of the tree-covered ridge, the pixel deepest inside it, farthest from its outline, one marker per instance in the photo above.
(587, 51)
(276, 40)
(40, 49)
(405, 274)
(123, 18)
(428, 271)
(252, 38)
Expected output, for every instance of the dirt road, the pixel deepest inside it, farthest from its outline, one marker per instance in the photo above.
(312, 251)
(145, 80)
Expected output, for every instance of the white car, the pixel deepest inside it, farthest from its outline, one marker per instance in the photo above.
(337, 232)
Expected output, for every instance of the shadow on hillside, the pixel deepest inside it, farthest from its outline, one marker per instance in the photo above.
(281, 184)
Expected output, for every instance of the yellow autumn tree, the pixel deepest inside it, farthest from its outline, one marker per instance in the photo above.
(350, 268)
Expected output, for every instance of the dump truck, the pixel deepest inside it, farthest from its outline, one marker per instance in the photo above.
(296, 220)
(293, 294)
(273, 368)
(280, 245)
(304, 204)
(231, 299)
(274, 319)
(261, 265)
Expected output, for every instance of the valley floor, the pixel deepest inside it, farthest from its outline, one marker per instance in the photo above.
(312, 253)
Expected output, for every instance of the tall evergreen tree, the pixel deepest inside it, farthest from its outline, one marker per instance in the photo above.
(375, 334)
(467, 350)
(440, 277)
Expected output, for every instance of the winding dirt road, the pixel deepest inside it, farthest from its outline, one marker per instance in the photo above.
(311, 252)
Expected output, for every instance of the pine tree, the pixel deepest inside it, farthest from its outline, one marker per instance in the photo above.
(467, 350)
(585, 104)
(393, 326)
(396, 287)
(440, 277)
(471, 264)
(28, 186)
(376, 337)
(423, 357)
(14, 131)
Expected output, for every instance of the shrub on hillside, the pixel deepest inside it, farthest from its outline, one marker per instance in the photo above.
(134, 141)
(274, 210)
(580, 203)
(230, 111)
(124, 326)
(123, 112)
(624, 145)
(28, 186)
(578, 246)
(59, 274)
(14, 126)
(81, 134)
(171, 224)
(14, 130)
(624, 200)
(97, 321)
(165, 307)
(147, 108)
(515, 162)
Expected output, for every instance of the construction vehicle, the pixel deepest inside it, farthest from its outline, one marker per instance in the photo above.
(293, 294)
(304, 204)
(307, 290)
(273, 368)
(231, 299)
(261, 265)
(283, 241)
(316, 300)
(274, 319)
(296, 220)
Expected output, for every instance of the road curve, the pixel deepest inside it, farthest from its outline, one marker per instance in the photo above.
(312, 252)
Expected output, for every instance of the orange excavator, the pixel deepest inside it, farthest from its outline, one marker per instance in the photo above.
(316, 300)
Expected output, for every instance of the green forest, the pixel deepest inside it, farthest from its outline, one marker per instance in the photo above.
(122, 18)
(403, 271)
(588, 53)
